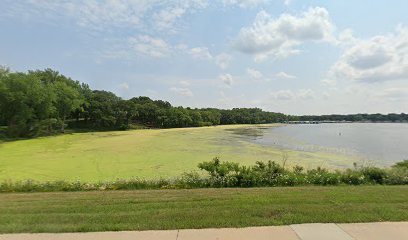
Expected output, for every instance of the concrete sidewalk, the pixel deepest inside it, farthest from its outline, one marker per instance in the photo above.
(315, 231)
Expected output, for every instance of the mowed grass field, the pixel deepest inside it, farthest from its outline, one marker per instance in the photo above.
(104, 156)
(199, 208)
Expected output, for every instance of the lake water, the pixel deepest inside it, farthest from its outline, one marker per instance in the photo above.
(376, 143)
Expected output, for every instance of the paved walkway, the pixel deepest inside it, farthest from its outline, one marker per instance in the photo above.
(315, 231)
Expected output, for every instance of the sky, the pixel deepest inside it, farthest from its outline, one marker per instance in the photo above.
(291, 56)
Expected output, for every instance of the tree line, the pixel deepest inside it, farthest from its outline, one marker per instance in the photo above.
(45, 102)
(377, 117)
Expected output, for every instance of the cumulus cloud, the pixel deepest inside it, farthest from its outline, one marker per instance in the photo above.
(223, 60)
(280, 37)
(200, 53)
(150, 46)
(254, 74)
(283, 75)
(378, 59)
(182, 91)
(226, 79)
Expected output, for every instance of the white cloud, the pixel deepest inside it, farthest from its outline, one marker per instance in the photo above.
(254, 74)
(245, 3)
(280, 37)
(200, 53)
(184, 83)
(104, 15)
(250, 3)
(223, 60)
(306, 94)
(166, 18)
(97, 15)
(226, 79)
(328, 82)
(150, 46)
(378, 59)
(182, 91)
(288, 95)
(124, 86)
(283, 75)
(346, 38)
(283, 95)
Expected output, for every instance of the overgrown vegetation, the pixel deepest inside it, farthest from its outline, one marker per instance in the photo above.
(219, 174)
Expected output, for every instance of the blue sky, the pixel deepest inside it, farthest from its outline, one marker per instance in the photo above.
(293, 56)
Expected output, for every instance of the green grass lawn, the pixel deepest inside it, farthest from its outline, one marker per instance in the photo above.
(199, 208)
(140, 153)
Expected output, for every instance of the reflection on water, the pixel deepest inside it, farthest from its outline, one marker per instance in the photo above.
(382, 143)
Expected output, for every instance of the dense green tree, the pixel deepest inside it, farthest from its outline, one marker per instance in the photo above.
(67, 101)
(102, 109)
(26, 104)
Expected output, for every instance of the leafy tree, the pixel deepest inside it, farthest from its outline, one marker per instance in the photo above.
(68, 99)
(26, 104)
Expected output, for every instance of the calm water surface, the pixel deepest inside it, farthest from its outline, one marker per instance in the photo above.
(378, 143)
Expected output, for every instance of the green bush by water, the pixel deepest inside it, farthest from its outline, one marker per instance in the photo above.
(218, 174)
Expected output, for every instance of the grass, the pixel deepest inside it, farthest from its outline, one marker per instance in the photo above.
(199, 208)
(106, 156)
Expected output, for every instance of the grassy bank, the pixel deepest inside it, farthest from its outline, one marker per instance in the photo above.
(106, 156)
(199, 208)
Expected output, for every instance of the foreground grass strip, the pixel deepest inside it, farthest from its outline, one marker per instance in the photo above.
(199, 208)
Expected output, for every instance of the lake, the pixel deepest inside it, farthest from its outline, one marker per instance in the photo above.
(380, 144)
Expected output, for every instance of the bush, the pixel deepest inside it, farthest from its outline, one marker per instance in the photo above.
(403, 164)
(352, 177)
(397, 176)
(218, 169)
(321, 176)
(227, 174)
(374, 175)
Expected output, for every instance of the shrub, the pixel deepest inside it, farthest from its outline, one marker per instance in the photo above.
(374, 174)
(216, 168)
(321, 176)
(397, 176)
(403, 164)
(352, 177)
(191, 180)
